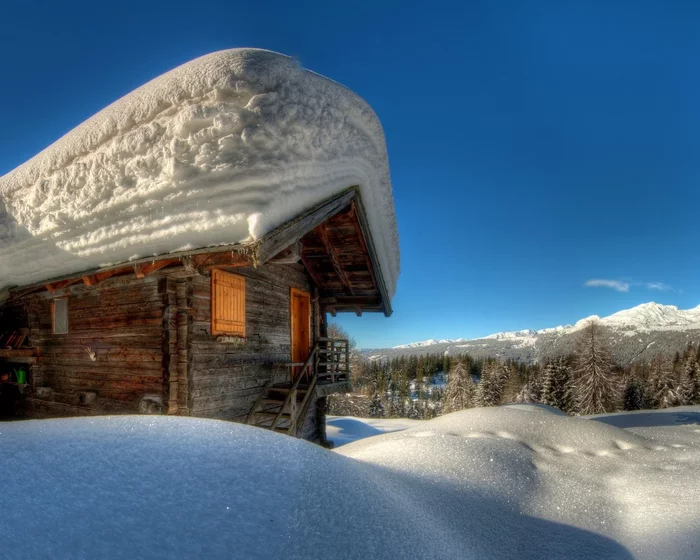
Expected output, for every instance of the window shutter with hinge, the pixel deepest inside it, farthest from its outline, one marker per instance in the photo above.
(227, 303)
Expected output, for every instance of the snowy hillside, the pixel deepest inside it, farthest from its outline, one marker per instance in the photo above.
(519, 481)
(637, 333)
(220, 150)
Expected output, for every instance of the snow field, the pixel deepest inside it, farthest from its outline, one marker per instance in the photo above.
(517, 481)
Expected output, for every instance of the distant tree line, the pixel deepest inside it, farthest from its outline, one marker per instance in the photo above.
(586, 382)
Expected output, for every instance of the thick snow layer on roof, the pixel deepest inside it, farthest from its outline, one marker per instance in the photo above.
(220, 150)
(511, 482)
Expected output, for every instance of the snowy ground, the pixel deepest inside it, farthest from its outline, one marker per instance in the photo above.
(346, 429)
(510, 482)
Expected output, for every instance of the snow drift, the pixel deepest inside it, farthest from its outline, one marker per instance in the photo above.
(220, 150)
(511, 482)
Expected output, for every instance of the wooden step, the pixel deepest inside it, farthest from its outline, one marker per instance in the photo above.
(267, 422)
(283, 416)
(276, 398)
(285, 389)
(282, 430)
(272, 401)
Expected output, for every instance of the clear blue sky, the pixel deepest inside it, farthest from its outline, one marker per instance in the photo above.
(533, 146)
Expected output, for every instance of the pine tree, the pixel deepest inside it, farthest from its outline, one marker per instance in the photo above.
(376, 407)
(661, 386)
(634, 397)
(688, 386)
(596, 389)
(556, 382)
(446, 363)
(526, 394)
(490, 389)
(461, 390)
(534, 382)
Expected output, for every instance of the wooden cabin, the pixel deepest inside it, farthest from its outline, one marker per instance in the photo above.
(236, 333)
(239, 199)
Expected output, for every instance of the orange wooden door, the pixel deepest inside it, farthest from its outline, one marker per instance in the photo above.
(300, 319)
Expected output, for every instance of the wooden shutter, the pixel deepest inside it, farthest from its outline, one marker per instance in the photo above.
(227, 303)
(59, 315)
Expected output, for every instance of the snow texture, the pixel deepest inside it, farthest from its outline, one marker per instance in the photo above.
(511, 482)
(220, 150)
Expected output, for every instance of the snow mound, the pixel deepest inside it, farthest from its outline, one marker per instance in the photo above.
(509, 482)
(515, 481)
(220, 150)
(163, 487)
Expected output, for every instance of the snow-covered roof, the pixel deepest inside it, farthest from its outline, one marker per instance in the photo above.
(218, 151)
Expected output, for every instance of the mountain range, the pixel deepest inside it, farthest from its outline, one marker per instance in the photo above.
(635, 334)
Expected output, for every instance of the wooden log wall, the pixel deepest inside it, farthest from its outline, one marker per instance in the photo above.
(226, 378)
(121, 322)
(152, 336)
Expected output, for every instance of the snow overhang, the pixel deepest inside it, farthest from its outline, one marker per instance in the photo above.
(219, 152)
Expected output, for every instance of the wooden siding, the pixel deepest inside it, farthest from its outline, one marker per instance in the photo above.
(226, 378)
(120, 322)
(152, 337)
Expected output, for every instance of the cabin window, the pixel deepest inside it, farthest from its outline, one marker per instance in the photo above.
(227, 304)
(59, 315)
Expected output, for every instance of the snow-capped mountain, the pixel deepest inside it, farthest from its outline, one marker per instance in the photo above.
(431, 342)
(636, 333)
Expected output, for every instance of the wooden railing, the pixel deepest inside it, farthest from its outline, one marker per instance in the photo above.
(333, 359)
(328, 361)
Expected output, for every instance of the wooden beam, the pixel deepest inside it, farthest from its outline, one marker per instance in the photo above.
(322, 231)
(352, 302)
(361, 238)
(282, 237)
(231, 266)
(290, 255)
(366, 237)
(155, 266)
(52, 287)
(102, 276)
(96, 275)
(311, 271)
(220, 260)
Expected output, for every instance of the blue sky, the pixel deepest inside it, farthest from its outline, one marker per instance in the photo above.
(534, 146)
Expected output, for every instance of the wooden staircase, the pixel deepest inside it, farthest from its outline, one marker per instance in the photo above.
(282, 407)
